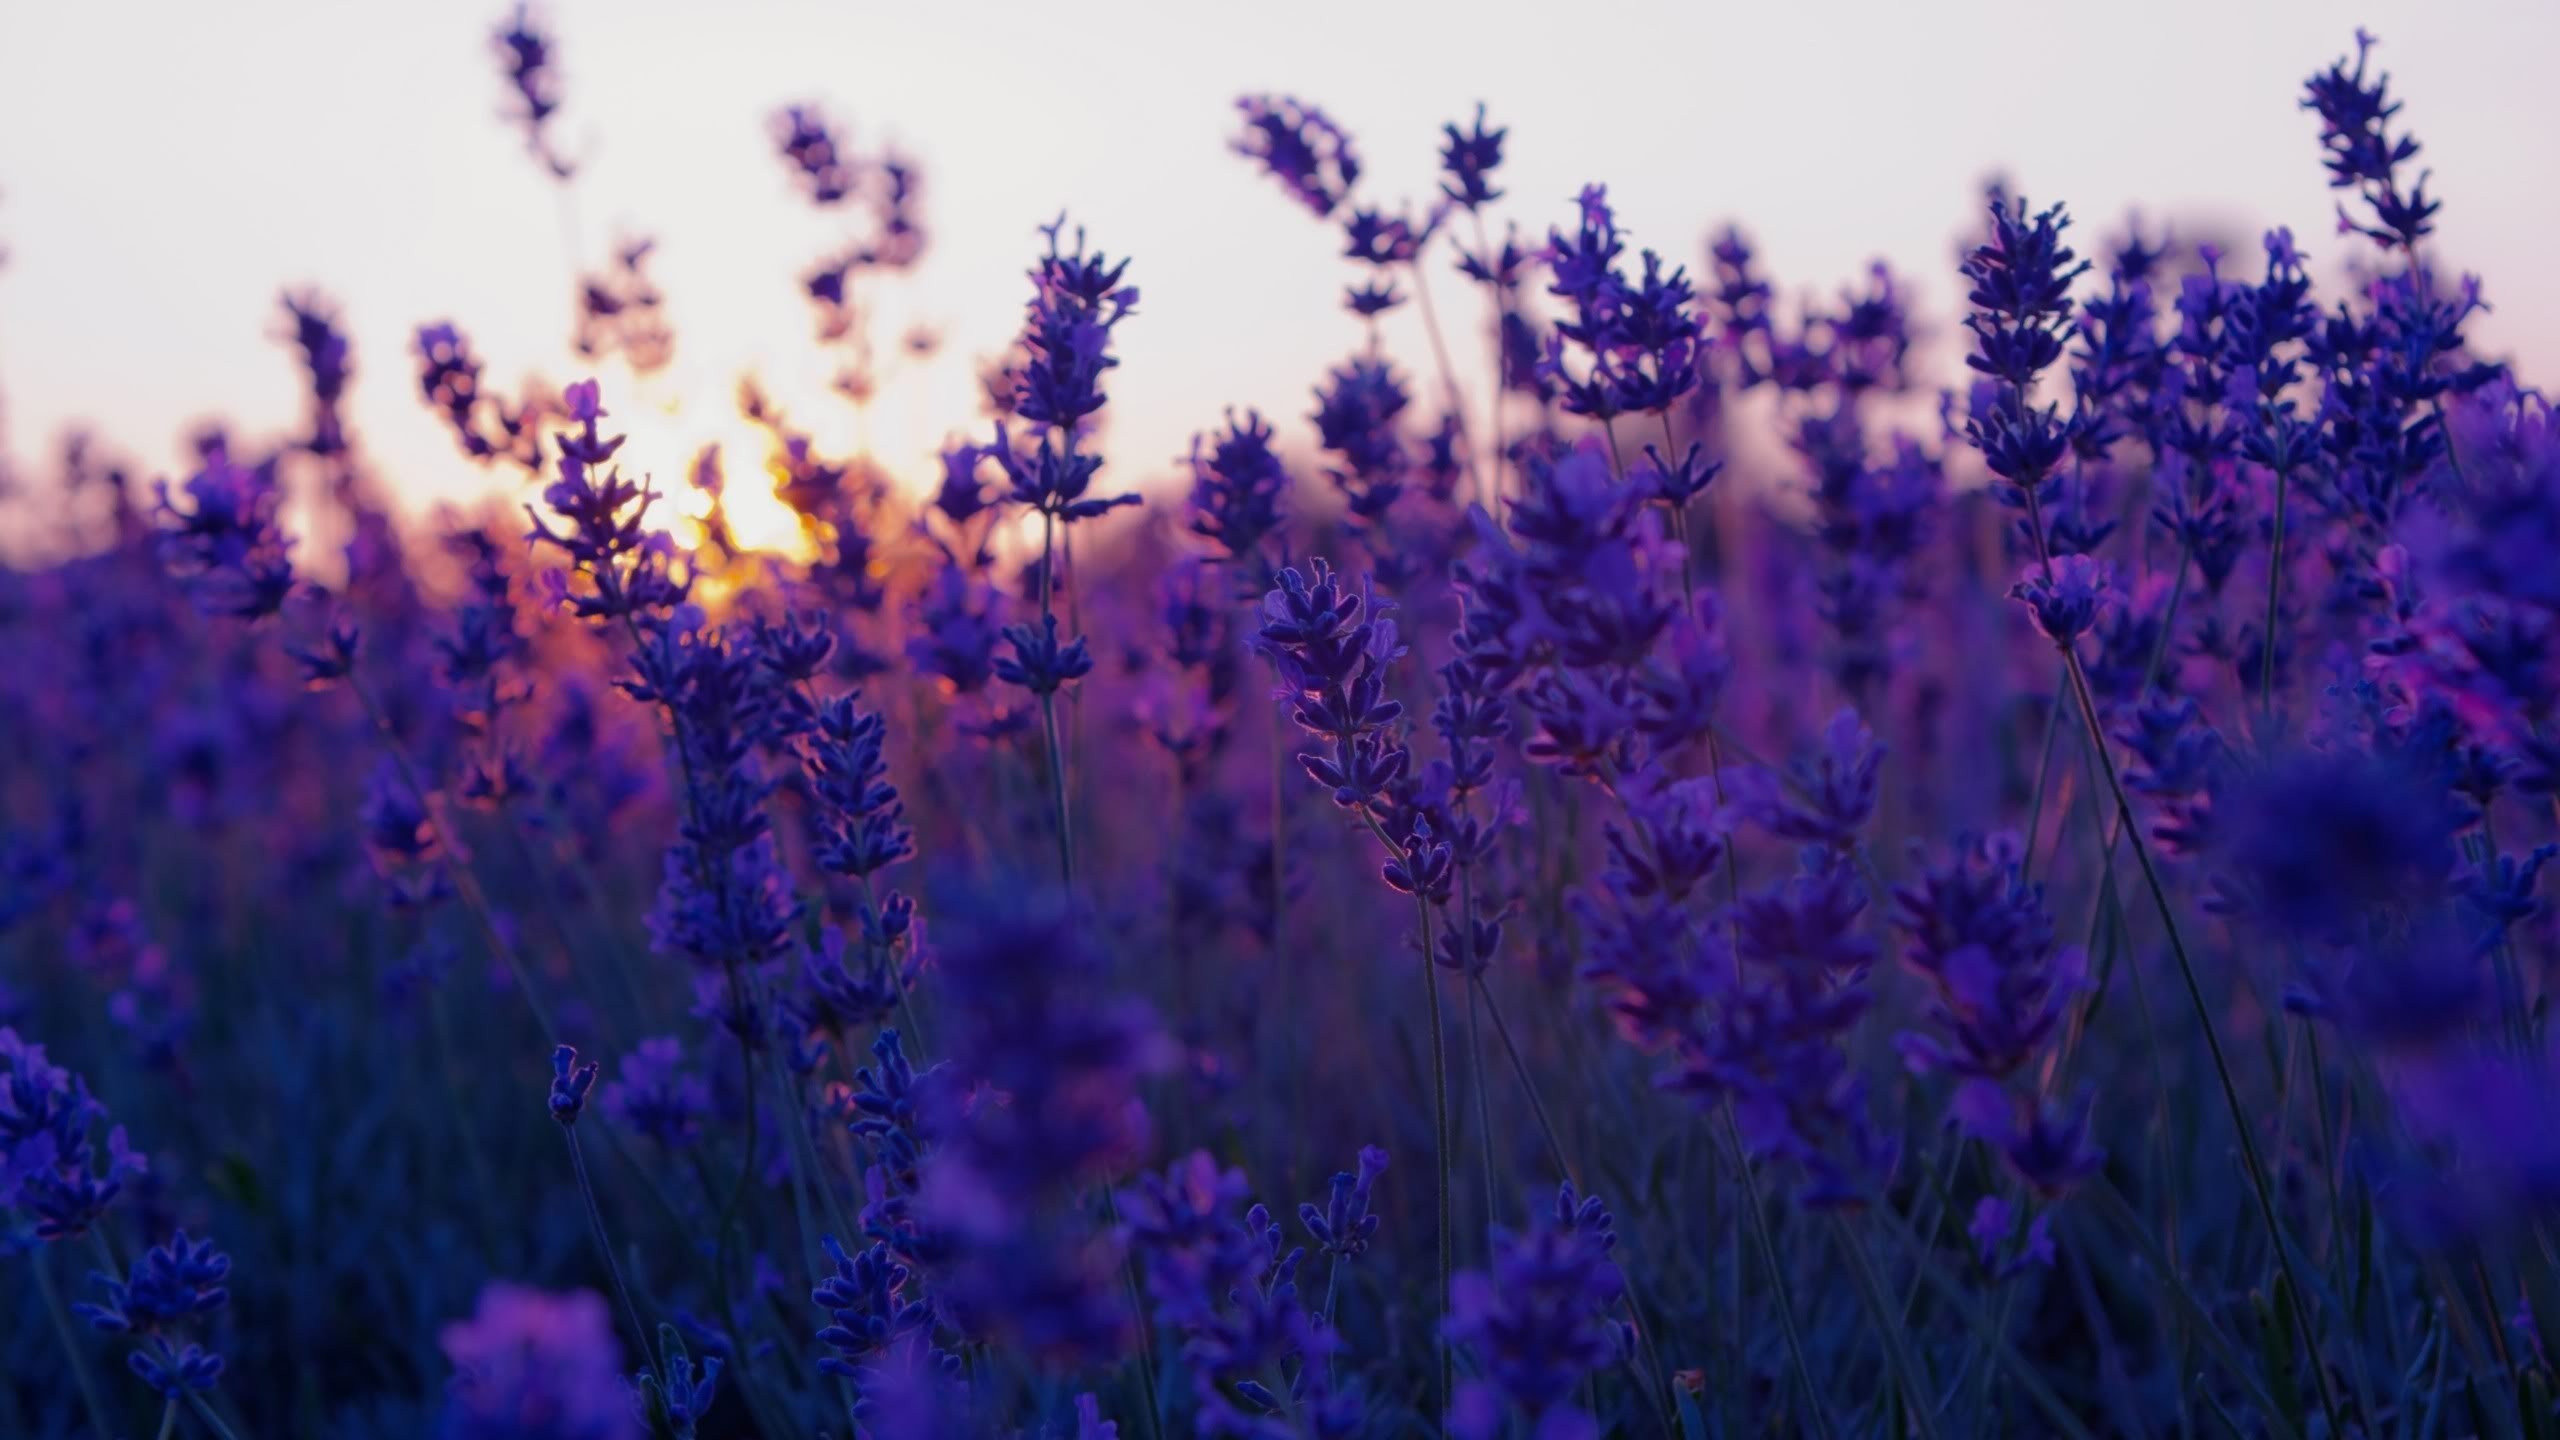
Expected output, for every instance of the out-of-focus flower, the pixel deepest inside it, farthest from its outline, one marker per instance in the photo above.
(1297, 145)
(532, 1363)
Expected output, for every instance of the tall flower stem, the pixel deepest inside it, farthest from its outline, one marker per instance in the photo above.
(1475, 1037)
(604, 1244)
(1814, 1405)
(2258, 1182)
(1493, 409)
(1448, 374)
(211, 1418)
(72, 1354)
(1889, 1326)
(2275, 595)
(1439, 1112)
(2044, 772)
(1049, 715)
(465, 879)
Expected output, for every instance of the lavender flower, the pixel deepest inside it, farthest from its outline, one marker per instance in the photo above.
(2363, 155)
(1539, 1323)
(1055, 1062)
(171, 1289)
(1468, 159)
(228, 545)
(51, 1173)
(2065, 597)
(1344, 1227)
(1297, 145)
(524, 51)
(570, 1082)
(653, 1094)
(1979, 934)
(1237, 488)
(529, 1363)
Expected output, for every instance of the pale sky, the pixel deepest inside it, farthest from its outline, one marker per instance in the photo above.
(167, 169)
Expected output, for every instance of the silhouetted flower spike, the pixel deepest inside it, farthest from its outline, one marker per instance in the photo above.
(570, 1082)
(229, 545)
(1468, 159)
(331, 660)
(1356, 419)
(2021, 296)
(1298, 146)
(327, 362)
(626, 568)
(2363, 156)
(1373, 299)
(1077, 299)
(826, 171)
(1375, 238)
(524, 50)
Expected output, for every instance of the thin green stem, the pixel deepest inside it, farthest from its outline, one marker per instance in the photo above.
(1484, 1109)
(1137, 1307)
(2275, 597)
(71, 1351)
(1049, 718)
(465, 878)
(1897, 1344)
(2044, 771)
(1439, 1114)
(1448, 374)
(604, 1243)
(1813, 1398)
(206, 1413)
(2258, 1181)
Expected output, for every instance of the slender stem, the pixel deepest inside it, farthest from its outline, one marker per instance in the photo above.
(465, 878)
(1897, 1344)
(71, 1351)
(1813, 1399)
(604, 1244)
(1448, 374)
(1493, 409)
(1146, 1337)
(1439, 1113)
(1049, 717)
(169, 1418)
(2169, 618)
(1332, 1281)
(1484, 1110)
(205, 1412)
(1679, 523)
(1528, 1086)
(2044, 770)
(2275, 594)
(2258, 1181)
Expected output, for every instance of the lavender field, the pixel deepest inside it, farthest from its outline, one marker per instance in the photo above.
(1689, 856)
